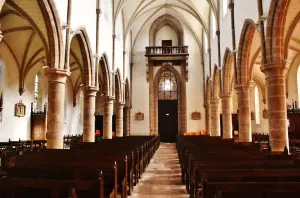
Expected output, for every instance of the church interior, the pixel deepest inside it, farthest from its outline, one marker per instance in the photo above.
(149, 98)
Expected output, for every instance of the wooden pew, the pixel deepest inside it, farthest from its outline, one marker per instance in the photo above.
(41, 164)
(200, 156)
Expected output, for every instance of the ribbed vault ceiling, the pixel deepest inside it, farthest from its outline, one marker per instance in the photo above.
(137, 13)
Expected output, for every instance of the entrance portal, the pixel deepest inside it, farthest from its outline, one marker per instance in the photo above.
(168, 120)
(167, 106)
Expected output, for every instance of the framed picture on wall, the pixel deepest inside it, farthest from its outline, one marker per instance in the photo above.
(20, 109)
(139, 116)
(196, 115)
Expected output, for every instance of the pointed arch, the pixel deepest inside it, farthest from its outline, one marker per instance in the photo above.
(275, 30)
(181, 97)
(161, 22)
(55, 46)
(243, 66)
(104, 75)
(118, 84)
(87, 56)
(216, 83)
(228, 72)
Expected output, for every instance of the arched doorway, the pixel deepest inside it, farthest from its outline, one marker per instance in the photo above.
(167, 106)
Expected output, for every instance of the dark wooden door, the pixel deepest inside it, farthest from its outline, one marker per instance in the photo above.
(99, 124)
(166, 43)
(168, 120)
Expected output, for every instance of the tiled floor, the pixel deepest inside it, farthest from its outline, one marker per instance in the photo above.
(162, 178)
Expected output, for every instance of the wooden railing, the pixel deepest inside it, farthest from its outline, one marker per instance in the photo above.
(167, 51)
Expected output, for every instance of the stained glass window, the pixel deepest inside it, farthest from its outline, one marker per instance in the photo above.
(167, 87)
(36, 91)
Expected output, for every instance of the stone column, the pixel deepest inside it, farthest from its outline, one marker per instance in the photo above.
(226, 116)
(215, 113)
(208, 118)
(107, 118)
(277, 113)
(89, 114)
(56, 105)
(127, 121)
(244, 115)
(119, 119)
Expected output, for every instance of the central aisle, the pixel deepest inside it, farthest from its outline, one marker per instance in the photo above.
(162, 178)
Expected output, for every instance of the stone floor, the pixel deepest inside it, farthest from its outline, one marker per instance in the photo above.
(162, 178)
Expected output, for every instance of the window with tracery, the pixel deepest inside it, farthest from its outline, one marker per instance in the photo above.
(167, 87)
(256, 104)
(36, 91)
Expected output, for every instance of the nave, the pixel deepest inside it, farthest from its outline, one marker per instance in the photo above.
(162, 178)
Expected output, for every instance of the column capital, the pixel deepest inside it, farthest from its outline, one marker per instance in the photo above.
(98, 11)
(121, 104)
(109, 98)
(242, 88)
(215, 101)
(272, 70)
(58, 75)
(91, 90)
(231, 4)
(128, 107)
(226, 96)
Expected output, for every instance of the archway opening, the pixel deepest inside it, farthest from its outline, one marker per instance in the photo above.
(167, 106)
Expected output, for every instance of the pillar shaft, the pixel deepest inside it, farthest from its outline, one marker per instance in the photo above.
(119, 119)
(244, 115)
(208, 118)
(226, 116)
(56, 103)
(89, 114)
(127, 121)
(107, 119)
(277, 113)
(215, 123)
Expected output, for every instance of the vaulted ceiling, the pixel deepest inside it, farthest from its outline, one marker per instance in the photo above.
(137, 13)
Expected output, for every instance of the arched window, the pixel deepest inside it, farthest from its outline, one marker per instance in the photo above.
(213, 24)
(36, 103)
(167, 89)
(225, 7)
(256, 105)
(205, 43)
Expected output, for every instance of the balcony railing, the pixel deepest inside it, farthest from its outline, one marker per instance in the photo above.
(167, 51)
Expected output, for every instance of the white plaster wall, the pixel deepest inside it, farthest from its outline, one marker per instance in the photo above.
(73, 123)
(195, 85)
(166, 33)
(13, 127)
(140, 86)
